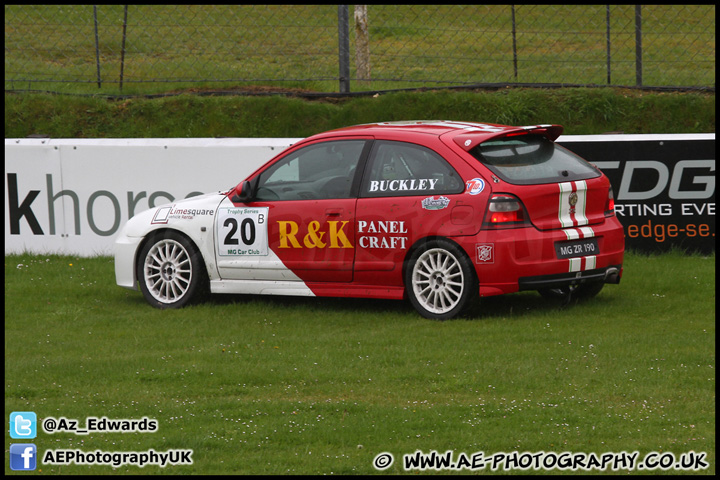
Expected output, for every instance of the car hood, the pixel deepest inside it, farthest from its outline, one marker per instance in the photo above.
(199, 210)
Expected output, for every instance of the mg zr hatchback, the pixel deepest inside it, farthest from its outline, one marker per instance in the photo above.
(437, 212)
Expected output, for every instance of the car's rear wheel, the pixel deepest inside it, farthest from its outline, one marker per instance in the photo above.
(171, 271)
(440, 280)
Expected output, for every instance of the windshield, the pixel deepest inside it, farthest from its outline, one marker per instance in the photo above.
(532, 159)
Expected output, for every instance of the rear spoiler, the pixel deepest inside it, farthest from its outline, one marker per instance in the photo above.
(471, 139)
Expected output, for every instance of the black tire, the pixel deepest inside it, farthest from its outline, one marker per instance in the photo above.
(440, 280)
(171, 271)
(584, 291)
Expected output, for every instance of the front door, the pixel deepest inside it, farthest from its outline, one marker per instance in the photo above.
(300, 224)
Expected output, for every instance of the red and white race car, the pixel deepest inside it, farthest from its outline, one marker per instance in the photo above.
(438, 212)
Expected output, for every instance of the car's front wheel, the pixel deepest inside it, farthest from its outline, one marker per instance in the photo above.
(171, 271)
(440, 280)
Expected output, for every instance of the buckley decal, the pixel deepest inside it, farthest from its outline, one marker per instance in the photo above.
(402, 185)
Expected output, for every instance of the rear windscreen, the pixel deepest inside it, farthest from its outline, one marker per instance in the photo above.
(532, 159)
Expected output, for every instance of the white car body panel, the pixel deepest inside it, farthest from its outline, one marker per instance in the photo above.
(195, 217)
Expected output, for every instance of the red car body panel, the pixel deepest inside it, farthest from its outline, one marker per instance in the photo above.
(358, 247)
(438, 212)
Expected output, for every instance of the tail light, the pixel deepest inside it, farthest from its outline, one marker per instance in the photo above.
(610, 205)
(505, 211)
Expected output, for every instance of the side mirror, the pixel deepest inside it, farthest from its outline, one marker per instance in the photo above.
(242, 193)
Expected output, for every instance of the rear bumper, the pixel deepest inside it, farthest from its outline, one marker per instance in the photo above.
(611, 274)
(517, 259)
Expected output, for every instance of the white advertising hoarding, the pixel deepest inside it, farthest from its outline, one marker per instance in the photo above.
(72, 196)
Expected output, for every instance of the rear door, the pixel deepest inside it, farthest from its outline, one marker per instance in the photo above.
(408, 192)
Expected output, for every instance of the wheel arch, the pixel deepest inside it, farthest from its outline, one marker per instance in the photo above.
(421, 243)
(186, 279)
(432, 288)
(151, 235)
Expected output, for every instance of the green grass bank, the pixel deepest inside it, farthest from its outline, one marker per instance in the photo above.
(582, 111)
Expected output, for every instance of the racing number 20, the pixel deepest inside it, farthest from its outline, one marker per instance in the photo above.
(242, 231)
(247, 231)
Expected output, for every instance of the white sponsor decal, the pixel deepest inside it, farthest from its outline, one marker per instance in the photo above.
(432, 203)
(485, 252)
(242, 231)
(382, 227)
(172, 212)
(475, 186)
(402, 185)
(161, 215)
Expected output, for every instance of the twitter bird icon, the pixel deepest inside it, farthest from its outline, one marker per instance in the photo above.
(23, 425)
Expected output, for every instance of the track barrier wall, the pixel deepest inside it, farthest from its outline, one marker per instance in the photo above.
(72, 196)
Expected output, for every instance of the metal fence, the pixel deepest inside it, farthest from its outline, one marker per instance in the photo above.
(341, 48)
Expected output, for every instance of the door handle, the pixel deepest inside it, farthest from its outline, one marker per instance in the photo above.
(334, 212)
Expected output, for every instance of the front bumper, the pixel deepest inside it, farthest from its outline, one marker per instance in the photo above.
(125, 251)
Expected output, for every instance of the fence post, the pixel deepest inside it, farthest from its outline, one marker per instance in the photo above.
(122, 52)
(362, 42)
(344, 48)
(97, 47)
(638, 46)
(607, 41)
(514, 47)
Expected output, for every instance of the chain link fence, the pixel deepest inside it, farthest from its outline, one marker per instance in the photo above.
(331, 48)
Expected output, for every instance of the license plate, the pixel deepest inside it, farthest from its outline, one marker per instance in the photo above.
(577, 248)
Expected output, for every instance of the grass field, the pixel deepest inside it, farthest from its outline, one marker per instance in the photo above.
(165, 47)
(273, 385)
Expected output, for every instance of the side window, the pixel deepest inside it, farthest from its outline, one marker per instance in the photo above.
(318, 171)
(405, 169)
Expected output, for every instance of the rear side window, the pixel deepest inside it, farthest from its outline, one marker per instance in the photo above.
(531, 160)
(403, 169)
